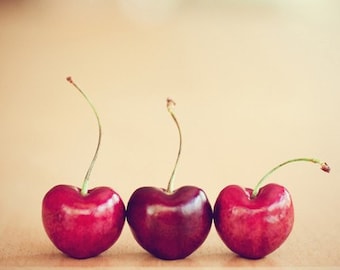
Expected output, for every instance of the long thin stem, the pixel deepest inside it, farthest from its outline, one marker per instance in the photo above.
(324, 167)
(170, 105)
(84, 188)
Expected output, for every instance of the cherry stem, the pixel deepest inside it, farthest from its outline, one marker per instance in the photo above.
(324, 167)
(170, 104)
(84, 188)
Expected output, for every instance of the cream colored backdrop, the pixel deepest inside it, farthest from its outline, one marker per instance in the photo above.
(256, 83)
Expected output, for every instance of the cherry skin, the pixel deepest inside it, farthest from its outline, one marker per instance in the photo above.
(83, 223)
(83, 226)
(254, 227)
(169, 225)
(254, 223)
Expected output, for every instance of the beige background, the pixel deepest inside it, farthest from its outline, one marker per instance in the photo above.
(256, 83)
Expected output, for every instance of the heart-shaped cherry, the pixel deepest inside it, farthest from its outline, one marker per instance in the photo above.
(83, 223)
(254, 223)
(170, 224)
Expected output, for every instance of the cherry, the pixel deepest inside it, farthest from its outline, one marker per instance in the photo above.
(83, 223)
(170, 224)
(254, 223)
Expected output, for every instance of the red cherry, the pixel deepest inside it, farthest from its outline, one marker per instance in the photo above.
(254, 227)
(254, 223)
(83, 226)
(83, 223)
(170, 224)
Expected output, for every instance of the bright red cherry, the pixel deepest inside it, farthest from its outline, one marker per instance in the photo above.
(254, 223)
(83, 223)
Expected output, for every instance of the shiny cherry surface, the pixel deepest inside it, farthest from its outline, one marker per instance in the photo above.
(82, 226)
(254, 227)
(169, 225)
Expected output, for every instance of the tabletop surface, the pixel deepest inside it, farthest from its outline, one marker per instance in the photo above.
(255, 83)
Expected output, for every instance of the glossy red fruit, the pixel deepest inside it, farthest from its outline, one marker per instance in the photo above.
(254, 223)
(83, 223)
(169, 225)
(254, 227)
(82, 226)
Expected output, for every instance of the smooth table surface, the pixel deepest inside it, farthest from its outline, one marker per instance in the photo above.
(256, 83)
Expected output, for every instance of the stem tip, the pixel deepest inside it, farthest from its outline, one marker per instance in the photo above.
(69, 79)
(325, 167)
(170, 103)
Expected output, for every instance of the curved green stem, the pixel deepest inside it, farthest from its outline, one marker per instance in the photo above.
(170, 105)
(84, 188)
(324, 167)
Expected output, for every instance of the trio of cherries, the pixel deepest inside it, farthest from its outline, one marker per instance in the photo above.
(169, 223)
